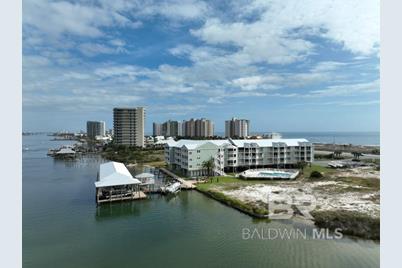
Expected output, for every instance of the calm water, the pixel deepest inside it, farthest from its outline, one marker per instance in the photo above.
(357, 138)
(63, 227)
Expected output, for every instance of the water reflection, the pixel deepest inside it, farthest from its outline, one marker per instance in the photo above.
(117, 209)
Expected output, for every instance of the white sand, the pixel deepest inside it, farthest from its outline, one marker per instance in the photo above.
(298, 193)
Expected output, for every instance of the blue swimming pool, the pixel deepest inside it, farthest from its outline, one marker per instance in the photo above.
(269, 174)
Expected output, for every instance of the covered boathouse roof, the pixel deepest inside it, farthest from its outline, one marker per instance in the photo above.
(114, 174)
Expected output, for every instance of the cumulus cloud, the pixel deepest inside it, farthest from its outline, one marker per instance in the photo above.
(222, 53)
(347, 89)
(62, 17)
(282, 34)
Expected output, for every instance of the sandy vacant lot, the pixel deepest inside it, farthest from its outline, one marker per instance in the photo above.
(350, 189)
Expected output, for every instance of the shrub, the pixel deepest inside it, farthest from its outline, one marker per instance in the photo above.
(350, 222)
(316, 174)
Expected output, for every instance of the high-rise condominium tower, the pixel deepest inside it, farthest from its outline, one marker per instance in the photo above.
(95, 128)
(198, 128)
(128, 126)
(237, 128)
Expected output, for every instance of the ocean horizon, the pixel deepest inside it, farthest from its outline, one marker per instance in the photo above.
(335, 137)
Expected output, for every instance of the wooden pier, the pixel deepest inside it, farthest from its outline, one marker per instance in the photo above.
(185, 184)
(122, 197)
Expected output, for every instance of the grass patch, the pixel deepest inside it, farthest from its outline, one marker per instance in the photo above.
(128, 155)
(157, 164)
(351, 184)
(255, 209)
(350, 222)
(370, 183)
(232, 183)
(325, 171)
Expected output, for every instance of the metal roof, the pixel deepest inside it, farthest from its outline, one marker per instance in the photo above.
(114, 174)
(269, 142)
(193, 144)
(65, 151)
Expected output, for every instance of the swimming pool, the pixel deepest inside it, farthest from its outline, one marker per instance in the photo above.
(269, 174)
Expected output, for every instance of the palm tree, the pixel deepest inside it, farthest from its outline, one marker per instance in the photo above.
(301, 165)
(208, 165)
(356, 155)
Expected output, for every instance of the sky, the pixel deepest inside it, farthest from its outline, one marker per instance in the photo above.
(286, 65)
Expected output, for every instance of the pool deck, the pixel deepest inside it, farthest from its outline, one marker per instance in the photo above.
(269, 174)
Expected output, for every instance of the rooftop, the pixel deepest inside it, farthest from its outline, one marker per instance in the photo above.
(193, 144)
(269, 142)
(114, 174)
(65, 151)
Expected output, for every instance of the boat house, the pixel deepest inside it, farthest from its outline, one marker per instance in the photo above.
(147, 182)
(65, 153)
(115, 183)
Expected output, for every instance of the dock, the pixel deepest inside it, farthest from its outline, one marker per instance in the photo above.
(123, 197)
(185, 184)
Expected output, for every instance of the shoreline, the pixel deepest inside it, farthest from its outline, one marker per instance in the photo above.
(341, 200)
(353, 224)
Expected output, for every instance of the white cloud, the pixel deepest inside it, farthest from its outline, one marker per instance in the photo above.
(62, 17)
(338, 103)
(231, 63)
(281, 34)
(90, 49)
(117, 42)
(175, 9)
(258, 82)
(347, 89)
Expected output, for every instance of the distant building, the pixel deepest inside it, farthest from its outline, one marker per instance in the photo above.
(128, 126)
(198, 128)
(157, 129)
(239, 128)
(274, 135)
(95, 128)
(169, 129)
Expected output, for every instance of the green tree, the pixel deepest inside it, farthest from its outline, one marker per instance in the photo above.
(209, 166)
(356, 155)
(301, 165)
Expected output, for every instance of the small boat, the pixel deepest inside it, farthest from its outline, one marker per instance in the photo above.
(173, 188)
(51, 152)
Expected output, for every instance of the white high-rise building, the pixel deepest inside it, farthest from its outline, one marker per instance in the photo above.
(128, 126)
(95, 128)
(238, 128)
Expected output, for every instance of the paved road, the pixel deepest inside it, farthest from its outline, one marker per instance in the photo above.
(324, 162)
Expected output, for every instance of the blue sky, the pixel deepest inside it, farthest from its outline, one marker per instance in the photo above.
(286, 65)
